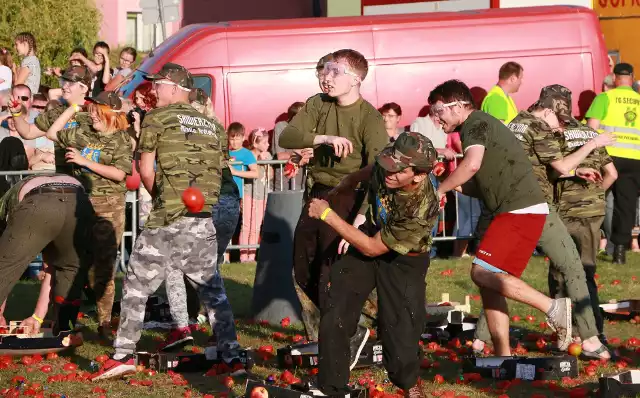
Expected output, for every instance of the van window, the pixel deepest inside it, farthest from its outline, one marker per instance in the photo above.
(204, 82)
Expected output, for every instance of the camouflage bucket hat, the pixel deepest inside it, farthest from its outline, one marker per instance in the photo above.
(78, 74)
(558, 104)
(175, 73)
(198, 95)
(108, 98)
(408, 150)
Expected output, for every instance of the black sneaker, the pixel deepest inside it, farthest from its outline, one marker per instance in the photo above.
(356, 344)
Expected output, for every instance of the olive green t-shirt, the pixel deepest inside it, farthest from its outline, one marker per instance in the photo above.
(109, 149)
(505, 180)
(404, 219)
(359, 122)
(542, 146)
(189, 152)
(578, 198)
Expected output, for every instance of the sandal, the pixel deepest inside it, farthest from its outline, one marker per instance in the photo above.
(589, 355)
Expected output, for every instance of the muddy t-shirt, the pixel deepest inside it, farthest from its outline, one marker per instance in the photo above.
(505, 179)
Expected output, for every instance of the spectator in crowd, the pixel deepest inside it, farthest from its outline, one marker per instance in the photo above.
(101, 153)
(73, 61)
(498, 102)
(12, 158)
(280, 183)
(29, 71)
(255, 195)
(248, 167)
(608, 84)
(430, 127)
(391, 114)
(39, 102)
(128, 57)
(100, 66)
(615, 111)
(6, 69)
(5, 95)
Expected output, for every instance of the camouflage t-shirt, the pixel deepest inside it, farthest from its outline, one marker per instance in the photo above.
(46, 119)
(189, 152)
(576, 197)
(542, 146)
(109, 149)
(404, 219)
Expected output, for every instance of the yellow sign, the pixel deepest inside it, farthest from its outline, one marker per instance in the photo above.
(616, 8)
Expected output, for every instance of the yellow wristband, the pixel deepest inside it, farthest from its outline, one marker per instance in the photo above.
(325, 213)
(572, 172)
(16, 114)
(76, 107)
(37, 318)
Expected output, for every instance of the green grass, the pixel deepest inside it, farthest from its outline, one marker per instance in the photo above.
(239, 281)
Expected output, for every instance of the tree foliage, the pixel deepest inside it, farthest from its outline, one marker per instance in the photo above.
(58, 27)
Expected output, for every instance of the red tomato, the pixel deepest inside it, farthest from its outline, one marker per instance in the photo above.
(98, 390)
(296, 339)
(530, 318)
(438, 169)
(515, 318)
(26, 360)
(228, 382)
(46, 369)
(615, 282)
(285, 322)
(133, 182)
(438, 379)
(70, 367)
(193, 199)
(52, 355)
(102, 358)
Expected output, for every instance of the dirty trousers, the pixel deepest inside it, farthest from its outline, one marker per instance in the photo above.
(586, 235)
(556, 243)
(225, 215)
(401, 286)
(58, 225)
(315, 249)
(187, 245)
(107, 233)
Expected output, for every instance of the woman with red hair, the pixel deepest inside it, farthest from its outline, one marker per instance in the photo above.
(101, 154)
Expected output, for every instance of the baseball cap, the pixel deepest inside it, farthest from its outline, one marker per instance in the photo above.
(108, 98)
(408, 150)
(175, 73)
(558, 104)
(198, 95)
(557, 89)
(78, 74)
(623, 69)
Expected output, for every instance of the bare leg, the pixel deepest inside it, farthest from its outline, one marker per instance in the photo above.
(497, 313)
(510, 287)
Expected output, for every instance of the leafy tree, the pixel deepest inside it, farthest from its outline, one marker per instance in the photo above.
(58, 27)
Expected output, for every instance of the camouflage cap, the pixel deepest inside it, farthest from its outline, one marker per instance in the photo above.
(175, 73)
(556, 89)
(198, 95)
(108, 98)
(558, 104)
(408, 150)
(78, 74)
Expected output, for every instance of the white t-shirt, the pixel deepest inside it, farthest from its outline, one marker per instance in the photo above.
(33, 80)
(7, 75)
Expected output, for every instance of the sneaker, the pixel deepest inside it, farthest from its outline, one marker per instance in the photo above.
(177, 339)
(115, 368)
(561, 323)
(415, 391)
(356, 344)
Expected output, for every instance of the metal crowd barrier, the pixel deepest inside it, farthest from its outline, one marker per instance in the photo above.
(274, 169)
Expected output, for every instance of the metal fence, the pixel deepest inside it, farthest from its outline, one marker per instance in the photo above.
(274, 181)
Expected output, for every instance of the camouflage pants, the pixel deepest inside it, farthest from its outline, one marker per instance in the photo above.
(189, 246)
(586, 234)
(565, 260)
(107, 233)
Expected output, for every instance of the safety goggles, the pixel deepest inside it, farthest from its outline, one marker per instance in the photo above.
(335, 69)
(438, 110)
(168, 83)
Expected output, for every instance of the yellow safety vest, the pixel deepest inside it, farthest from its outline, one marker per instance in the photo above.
(512, 110)
(622, 120)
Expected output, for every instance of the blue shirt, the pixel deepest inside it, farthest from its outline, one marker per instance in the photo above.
(247, 158)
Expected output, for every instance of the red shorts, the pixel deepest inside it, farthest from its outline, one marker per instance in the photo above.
(509, 242)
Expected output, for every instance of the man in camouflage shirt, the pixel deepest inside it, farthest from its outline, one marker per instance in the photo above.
(188, 150)
(54, 213)
(539, 131)
(390, 253)
(581, 205)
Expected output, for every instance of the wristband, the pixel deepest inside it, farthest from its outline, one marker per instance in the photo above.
(37, 318)
(16, 114)
(572, 172)
(76, 107)
(325, 213)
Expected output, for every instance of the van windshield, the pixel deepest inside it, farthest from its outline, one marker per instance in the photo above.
(131, 83)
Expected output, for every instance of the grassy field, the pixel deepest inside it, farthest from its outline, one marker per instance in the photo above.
(617, 282)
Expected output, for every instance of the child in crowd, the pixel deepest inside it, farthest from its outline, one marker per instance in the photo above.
(29, 71)
(255, 195)
(128, 57)
(6, 69)
(248, 167)
(100, 66)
